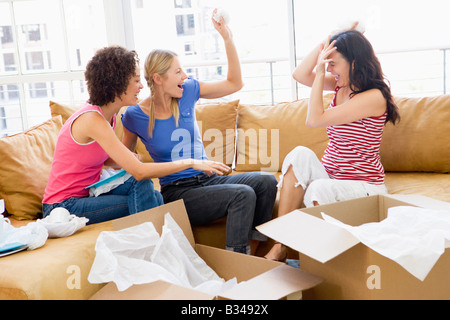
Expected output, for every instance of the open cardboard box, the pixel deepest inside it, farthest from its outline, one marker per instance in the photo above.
(350, 269)
(258, 278)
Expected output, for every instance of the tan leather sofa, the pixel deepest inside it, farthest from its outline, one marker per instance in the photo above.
(415, 154)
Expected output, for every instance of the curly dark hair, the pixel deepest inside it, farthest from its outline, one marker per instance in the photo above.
(108, 74)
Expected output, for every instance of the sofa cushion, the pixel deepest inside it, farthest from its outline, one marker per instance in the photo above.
(26, 160)
(429, 184)
(66, 111)
(63, 110)
(421, 141)
(140, 147)
(266, 134)
(217, 122)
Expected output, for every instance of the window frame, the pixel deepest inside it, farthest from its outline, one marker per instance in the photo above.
(119, 31)
(115, 11)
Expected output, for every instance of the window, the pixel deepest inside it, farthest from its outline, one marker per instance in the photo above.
(9, 62)
(262, 40)
(46, 44)
(43, 53)
(406, 35)
(182, 3)
(31, 32)
(6, 36)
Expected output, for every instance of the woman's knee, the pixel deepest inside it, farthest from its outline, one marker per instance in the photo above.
(265, 183)
(303, 152)
(243, 193)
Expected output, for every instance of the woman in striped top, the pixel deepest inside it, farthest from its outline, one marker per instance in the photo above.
(362, 105)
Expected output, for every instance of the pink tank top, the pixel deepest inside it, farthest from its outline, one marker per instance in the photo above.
(75, 166)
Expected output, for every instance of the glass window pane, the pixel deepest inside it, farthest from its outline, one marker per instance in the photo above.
(84, 17)
(10, 113)
(186, 28)
(38, 95)
(80, 92)
(406, 36)
(41, 39)
(8, 56)
(425, 79)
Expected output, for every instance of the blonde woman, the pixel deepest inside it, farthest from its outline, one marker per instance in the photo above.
(87, 142)
(166, 124)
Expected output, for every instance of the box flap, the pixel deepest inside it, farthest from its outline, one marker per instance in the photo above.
(273, 284)
(158, 290)
(156, 215)
(309, 235)
(421, 201)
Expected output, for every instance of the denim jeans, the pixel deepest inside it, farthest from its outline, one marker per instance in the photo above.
(128, 198)
(246, 199)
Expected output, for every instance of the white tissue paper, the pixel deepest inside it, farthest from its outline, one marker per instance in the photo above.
(107, 173)
(63, 228)
(32, 235)
(138, 255)
(346, 23)
(221, 13)
(413, 237)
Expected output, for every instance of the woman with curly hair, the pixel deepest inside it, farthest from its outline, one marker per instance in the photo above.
(87, 142)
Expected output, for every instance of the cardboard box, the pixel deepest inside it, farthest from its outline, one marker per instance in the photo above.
(259, 279)
(350, 269)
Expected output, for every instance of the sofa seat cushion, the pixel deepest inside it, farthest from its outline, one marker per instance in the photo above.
(57, 270)
(432, 185)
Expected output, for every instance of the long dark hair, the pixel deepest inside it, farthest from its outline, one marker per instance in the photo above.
(365, 68)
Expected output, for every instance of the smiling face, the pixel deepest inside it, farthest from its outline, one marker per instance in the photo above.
(340, 68)
(131, 96)
(173, 80)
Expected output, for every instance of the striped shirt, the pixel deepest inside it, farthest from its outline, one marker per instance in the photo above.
(353, 151)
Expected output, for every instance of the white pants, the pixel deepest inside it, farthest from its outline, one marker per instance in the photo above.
(313, 178)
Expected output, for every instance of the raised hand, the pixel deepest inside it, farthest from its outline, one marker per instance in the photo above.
(221, 27)
(325, 51)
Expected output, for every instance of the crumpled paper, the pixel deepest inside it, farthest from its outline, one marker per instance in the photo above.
(106, 173)
(413, 237)
(138, 255)
(33, 235)
(63, 229)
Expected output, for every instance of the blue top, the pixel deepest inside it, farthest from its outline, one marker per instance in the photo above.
(169, 142)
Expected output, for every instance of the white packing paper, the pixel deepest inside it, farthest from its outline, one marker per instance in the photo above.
(107, 173)
(138, 255)
(413, 237)
(63, 229)
(33, 235)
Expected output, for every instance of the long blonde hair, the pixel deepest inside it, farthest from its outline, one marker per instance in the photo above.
(158, 62)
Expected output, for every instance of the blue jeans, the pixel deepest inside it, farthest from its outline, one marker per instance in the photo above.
(246, 199)
(128, 198)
